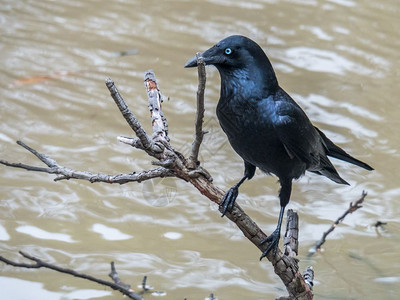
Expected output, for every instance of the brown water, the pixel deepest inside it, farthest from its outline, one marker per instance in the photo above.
(339, 59)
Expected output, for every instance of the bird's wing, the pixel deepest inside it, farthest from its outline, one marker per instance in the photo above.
(302, 140)
(296, 133)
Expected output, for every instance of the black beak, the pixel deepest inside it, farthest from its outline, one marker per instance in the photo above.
(211, 56)
(191, 62)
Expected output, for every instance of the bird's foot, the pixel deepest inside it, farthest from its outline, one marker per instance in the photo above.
(273, 242)
(229, 199)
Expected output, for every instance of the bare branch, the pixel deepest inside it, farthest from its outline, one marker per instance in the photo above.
(158, 120)
(308, 276)
(146, 141)
(134, 142)
(67, 173)
(25, 166)
(44, 158)
(291, 240)
(41, 264)
(352, 208)
(285, 267)
(199, 133)
(174, 163)
(115, 277)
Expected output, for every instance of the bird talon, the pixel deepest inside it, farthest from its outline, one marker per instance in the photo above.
(273, 241)
(228, 201)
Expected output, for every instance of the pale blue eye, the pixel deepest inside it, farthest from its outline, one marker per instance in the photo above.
(228, 51)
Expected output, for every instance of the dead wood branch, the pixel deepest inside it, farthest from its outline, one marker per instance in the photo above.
(158, 120)
(352, 208)
(67, 173)
(308, 276)
(291, 244)
(129, 117)
(199, 133)
(291, 240)
(174, 163)
(118, 286)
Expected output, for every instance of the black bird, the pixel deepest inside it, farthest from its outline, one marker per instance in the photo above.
(265, 126)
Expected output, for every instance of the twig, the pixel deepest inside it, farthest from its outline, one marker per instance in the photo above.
(158, 120)
(378, 224)
(199, 133)
(41, 264)
(144, 283)
(145, 140)
(115, 277)
(352, 208)
(66, 173)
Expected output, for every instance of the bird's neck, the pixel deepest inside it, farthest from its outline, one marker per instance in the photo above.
(247, 83)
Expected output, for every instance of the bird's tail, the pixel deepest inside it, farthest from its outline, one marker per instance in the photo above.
(339, 153)
(328, 170)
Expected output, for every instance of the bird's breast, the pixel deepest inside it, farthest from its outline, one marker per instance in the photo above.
(247, 129)
(251, 134)
(239, 118)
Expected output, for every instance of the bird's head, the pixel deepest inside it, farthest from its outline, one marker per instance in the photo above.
(234, 51)
(238, 52)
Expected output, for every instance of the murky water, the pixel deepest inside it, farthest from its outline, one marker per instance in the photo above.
(339, 59)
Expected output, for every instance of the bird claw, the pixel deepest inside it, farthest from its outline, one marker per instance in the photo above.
(229, 199)
(273, 242)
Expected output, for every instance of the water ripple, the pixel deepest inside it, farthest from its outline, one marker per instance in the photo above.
(324, 61)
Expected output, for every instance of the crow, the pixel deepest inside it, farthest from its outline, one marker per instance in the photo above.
(265, 126)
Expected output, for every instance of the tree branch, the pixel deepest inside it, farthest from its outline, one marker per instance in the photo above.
(158, 120)
(291, 240)
(148, 145)
(115, 277)
(66, 173)
(174, 163)
(352, 208)
(199, 133)
(123, 288)
(308, 276)
(153, 147)
(291, 244)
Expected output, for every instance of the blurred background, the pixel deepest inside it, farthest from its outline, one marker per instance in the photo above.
(339, 59)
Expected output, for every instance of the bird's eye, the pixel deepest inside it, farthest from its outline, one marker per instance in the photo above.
(228, 51)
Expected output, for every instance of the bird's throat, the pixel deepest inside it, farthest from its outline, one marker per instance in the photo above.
(238, 82)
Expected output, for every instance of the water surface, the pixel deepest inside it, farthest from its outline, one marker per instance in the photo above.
(338, 59)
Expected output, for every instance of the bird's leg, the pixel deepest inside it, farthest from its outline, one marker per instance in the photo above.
(229, 199)
(273, 238)
(284, 196)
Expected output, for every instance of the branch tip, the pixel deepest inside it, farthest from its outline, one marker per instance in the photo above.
(109, 82)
